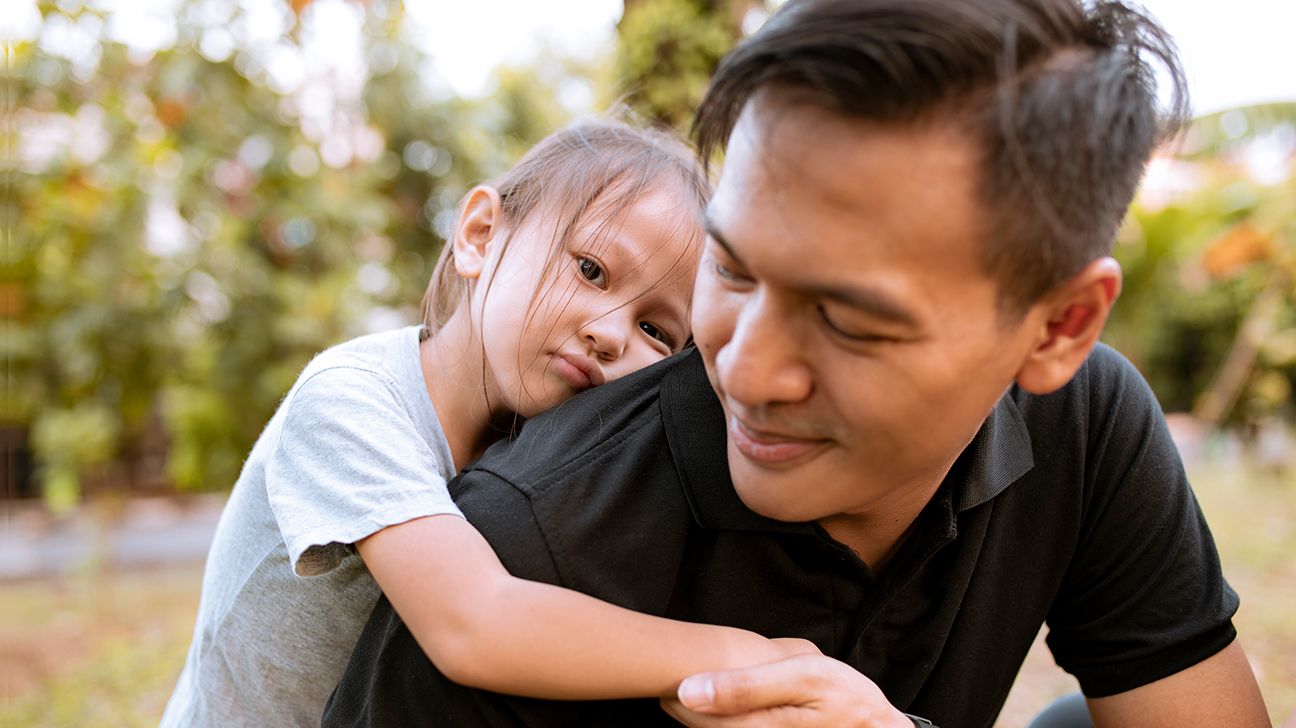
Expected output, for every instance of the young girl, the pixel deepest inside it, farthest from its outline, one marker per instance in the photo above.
(572, 269)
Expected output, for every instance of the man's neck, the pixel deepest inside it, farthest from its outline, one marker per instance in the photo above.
(875, 535)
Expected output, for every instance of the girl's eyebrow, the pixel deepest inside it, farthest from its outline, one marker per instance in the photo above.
(607, 244)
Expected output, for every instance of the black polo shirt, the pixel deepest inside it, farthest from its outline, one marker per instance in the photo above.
(1070, 509)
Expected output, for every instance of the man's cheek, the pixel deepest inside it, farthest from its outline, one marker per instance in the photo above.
(714, 314)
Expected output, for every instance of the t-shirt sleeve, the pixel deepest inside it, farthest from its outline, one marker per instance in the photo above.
(350, 461)
(1145, 597)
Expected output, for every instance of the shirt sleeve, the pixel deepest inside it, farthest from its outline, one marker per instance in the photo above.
(349, 462)
(1144, 597)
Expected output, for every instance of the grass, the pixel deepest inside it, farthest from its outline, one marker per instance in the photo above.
(95, 649)
(103, 649)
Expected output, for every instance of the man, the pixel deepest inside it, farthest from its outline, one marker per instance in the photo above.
(897, 437)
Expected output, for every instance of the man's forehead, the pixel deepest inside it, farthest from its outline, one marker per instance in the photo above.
(816, 201)
(788, 148)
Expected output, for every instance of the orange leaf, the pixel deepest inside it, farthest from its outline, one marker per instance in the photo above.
(1236, 249)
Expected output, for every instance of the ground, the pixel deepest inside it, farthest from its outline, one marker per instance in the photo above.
(102, 646)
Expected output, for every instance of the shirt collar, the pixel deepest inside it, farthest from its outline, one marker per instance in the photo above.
(695, 430)
(1000, 454)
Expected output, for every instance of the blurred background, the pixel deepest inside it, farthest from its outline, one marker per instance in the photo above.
(199, 195)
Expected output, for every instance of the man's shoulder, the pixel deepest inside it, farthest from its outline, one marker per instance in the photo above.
(1106, 371)
(1106, 390)
(1087, 436)
(567, 500)
(583, 432)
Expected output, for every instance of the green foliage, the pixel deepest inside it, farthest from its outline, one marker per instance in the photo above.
(1228, 131)
(74, 438)
(189, 233)
(165, 245)
(1198, 263)
(668, 50)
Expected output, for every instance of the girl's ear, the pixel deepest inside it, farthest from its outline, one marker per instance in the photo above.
(1074, 318)
(478, 226)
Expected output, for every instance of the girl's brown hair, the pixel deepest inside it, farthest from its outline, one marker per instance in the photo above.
(607, 161)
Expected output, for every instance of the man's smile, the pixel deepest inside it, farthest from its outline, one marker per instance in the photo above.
(769, 448)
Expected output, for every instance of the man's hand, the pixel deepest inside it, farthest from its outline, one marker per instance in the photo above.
(803, 690)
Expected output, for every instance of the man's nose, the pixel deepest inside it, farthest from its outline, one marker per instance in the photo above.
(764, 361)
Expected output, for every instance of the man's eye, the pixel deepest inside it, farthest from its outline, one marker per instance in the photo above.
(726, 272)
(856, 336)
(591, 271)
(657, 334)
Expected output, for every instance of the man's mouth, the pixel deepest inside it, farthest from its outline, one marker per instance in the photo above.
(771, 448)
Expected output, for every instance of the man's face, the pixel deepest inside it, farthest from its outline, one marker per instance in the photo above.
(843, 314)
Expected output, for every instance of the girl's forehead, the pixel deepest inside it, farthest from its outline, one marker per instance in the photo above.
(653, 223)
(664, 203)
(662, 212)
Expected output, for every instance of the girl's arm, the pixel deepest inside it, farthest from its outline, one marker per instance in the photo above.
(484, 628)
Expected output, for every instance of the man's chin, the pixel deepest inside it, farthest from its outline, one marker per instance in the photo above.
(773, 496)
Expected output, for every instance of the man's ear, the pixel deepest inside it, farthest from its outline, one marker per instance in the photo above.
(478, 225)
(1074, 316)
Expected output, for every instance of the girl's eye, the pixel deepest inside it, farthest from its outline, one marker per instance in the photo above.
(591, 271)
(657, 334)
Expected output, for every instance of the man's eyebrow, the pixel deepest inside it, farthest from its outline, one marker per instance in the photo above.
(714, 232)
(870, 301)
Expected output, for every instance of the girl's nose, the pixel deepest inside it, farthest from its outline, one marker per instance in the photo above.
(606, 336)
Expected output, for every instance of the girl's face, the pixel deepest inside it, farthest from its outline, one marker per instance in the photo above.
(615, 300)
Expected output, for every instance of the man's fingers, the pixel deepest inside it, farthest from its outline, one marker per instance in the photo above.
(804, 691)
(691, 719)
(750, 688)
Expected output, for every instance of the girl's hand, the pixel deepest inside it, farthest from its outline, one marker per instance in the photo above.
(795, 646)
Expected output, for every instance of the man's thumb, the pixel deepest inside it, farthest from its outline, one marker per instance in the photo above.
(743, 690)
(697, 692)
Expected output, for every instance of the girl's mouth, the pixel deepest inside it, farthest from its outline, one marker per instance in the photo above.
(578, 371)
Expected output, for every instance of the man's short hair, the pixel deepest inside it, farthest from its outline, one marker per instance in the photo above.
(1059, 96)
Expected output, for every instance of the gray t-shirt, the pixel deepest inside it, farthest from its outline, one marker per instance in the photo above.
(354, 447)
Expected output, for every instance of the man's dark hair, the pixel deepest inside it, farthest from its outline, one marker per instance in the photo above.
(1060, 97)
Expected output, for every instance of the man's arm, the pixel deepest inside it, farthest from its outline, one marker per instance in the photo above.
(1219, 691)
